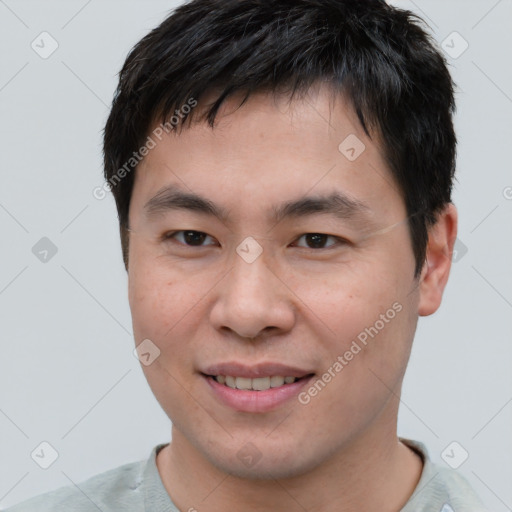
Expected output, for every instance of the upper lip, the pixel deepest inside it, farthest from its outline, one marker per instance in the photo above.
(254, 371)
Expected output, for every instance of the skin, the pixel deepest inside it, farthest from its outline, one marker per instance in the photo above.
(294, 304)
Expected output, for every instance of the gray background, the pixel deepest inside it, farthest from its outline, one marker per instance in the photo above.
(67, 372)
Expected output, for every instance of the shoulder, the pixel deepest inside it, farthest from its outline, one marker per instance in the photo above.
(440, 488)
(112, 490)
(457, 491)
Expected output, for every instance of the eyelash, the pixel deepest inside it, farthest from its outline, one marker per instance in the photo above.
(339, 241)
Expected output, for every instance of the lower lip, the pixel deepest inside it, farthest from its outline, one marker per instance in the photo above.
(256, 401)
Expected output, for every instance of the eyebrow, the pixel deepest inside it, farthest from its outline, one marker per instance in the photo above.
(339, 204)
(173, 197)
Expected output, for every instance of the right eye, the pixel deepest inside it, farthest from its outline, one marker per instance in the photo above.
(188, 238)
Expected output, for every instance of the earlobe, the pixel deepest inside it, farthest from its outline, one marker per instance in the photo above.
(436, 269)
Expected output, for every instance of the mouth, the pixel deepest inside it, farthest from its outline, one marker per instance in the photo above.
(255, 389)
(255, 384)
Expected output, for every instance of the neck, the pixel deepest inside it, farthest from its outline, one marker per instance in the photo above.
(376, 472)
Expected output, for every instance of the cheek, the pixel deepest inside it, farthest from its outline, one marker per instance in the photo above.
(366, 378)
(151, 292)
(367, 313)
(157, 302)
(158, 306)
(165, 303)
(349, 299)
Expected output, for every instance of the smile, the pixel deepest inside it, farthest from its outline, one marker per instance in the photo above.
(257, 394)
(257, 384)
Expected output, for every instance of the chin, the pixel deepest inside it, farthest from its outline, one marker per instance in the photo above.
(267, 464)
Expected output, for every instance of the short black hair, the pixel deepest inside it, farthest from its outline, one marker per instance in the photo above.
(380, 57)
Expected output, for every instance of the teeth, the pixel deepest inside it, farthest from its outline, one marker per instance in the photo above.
(230, 381)
(275, 382)
(258, 384)
(261, 383)
(243, 383)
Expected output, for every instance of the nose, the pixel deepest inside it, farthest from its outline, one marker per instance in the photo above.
(253, 301)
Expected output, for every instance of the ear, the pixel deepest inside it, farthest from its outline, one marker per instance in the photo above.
(436, 269)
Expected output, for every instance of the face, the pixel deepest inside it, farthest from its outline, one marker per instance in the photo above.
(267, 248)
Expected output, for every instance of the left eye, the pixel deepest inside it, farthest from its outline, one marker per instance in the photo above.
(318, 240)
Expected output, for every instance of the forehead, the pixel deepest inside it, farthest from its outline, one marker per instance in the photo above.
(268, 150)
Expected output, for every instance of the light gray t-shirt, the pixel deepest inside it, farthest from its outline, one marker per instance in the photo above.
(137, 487)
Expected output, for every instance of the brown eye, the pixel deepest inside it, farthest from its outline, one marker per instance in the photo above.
(317, 241)
(189, 237)
(194, 237)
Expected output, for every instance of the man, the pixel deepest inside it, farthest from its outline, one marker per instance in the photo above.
(282, 172)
